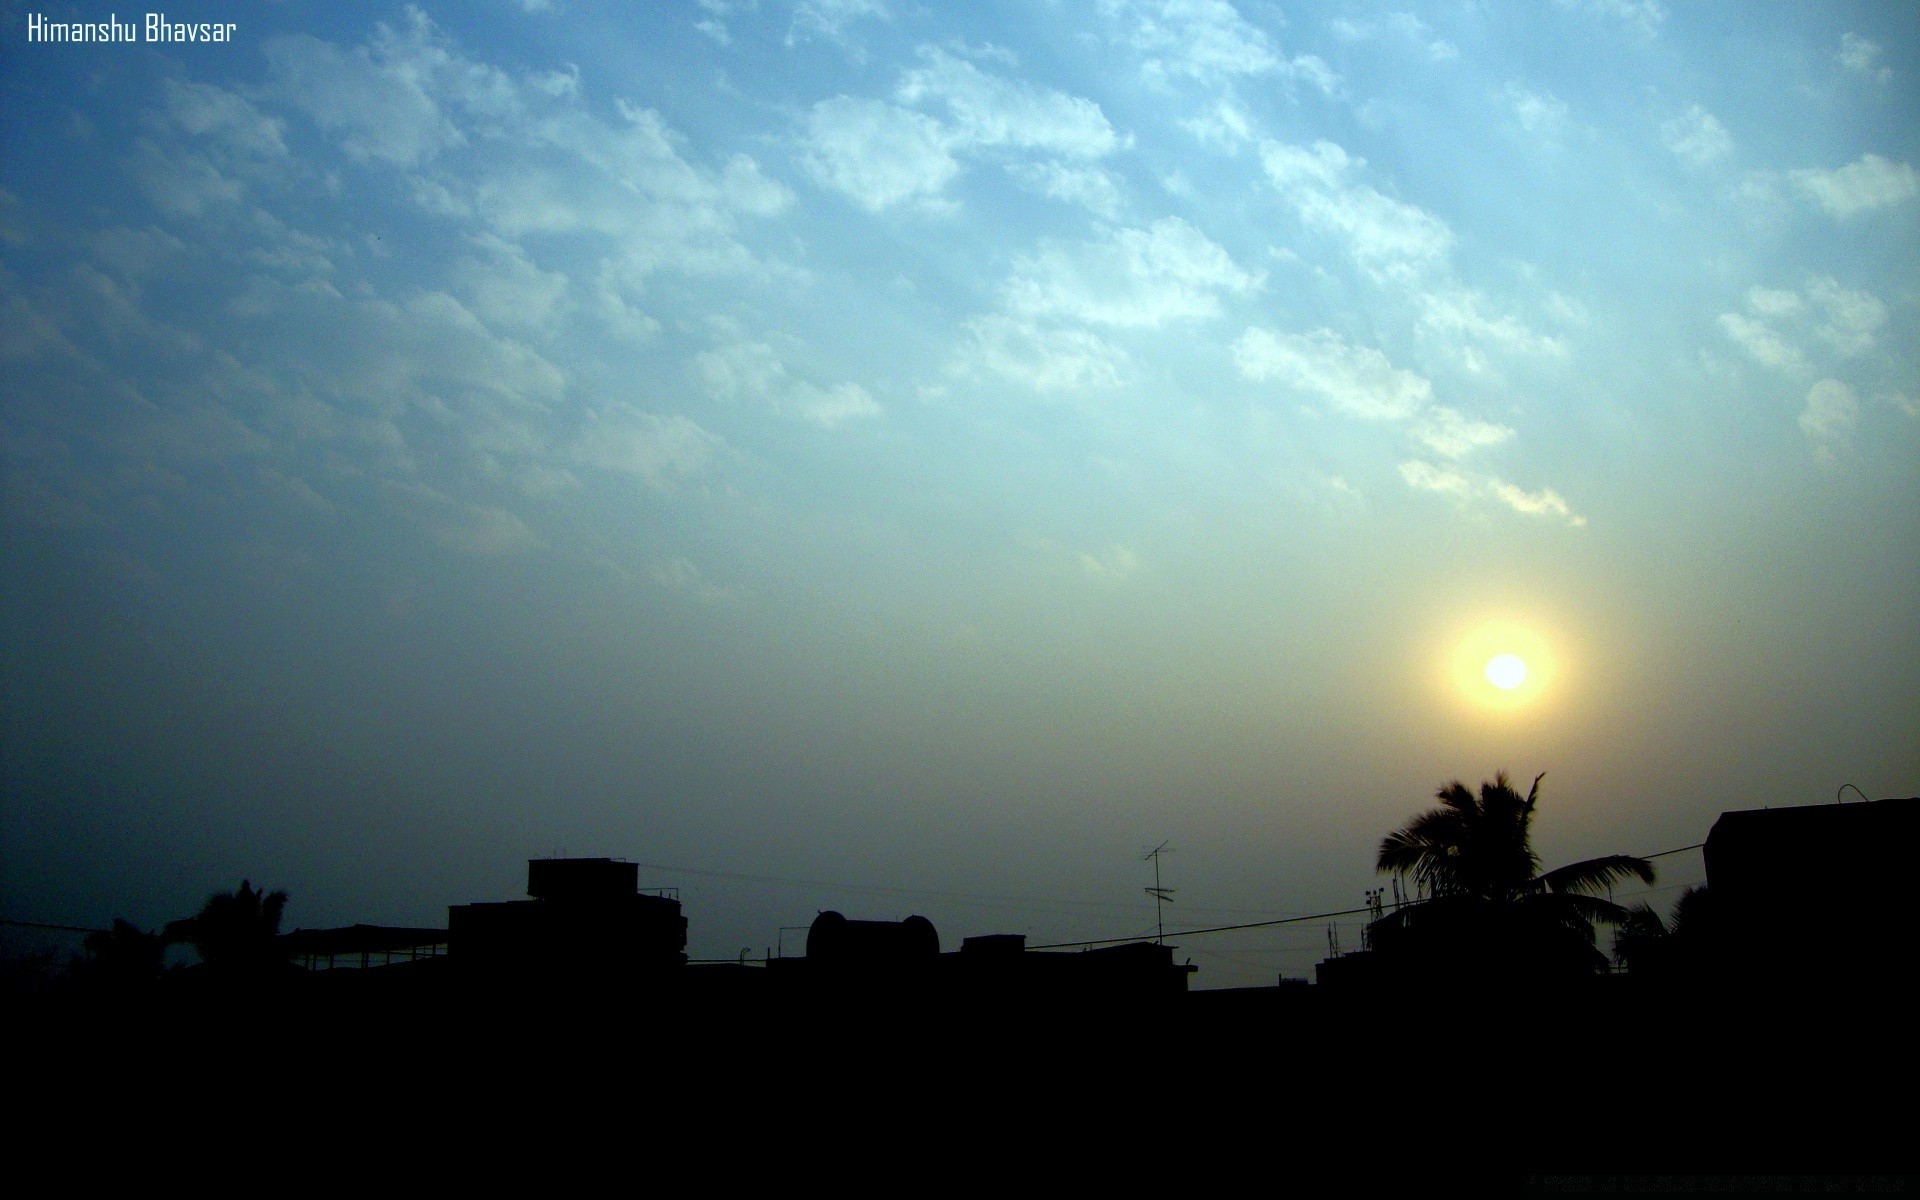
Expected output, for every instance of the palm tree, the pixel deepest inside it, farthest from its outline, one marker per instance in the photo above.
(1679, 946)
(236, 931)
(1489, 909)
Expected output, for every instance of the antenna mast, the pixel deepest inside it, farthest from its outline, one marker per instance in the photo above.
(1162, 896)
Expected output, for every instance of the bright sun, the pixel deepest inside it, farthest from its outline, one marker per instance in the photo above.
(1505, 665)
(1506, 671)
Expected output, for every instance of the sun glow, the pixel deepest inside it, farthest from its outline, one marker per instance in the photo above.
(1504, 666)
(1506, 671)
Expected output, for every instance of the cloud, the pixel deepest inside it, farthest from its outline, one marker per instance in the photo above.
(523, 154)
(1045, 359)
(832, 19)
(744, 369)
(989, 110)
(1116, 564)
(1643, 15)
(1447, 433)
(1457, 318)
(1865, 185)
(1137, 278)
(663, 452)
(887, 154)
(1541, 114)
(1861, 57)
(1385, 236)
(476, 529)
(1356, 380)
(1762, 343)
(1697, 136)
(1786, 321)
(1829, 417)
(681, 575)
(1423, 476)
(1089, 187)
(1196, 39)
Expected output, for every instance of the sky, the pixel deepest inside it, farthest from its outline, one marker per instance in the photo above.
(913, 458)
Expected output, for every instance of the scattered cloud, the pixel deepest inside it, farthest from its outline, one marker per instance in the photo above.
(1868, 184)
(663, 452)
(747, 370)
(1117, 563)
(1458, 320)
(1697, 136)
(1829, 418)
(884, 154)
(1542, 115)
(1385, 236)
(1424, 476)
(990, 110)
(1136, 278)
(679, 574)
(1643, 15)
(1862, 57)
(1356, 380)
(1043, 358)
(1447, 433)
(879, 154)
(833, 21)
(1787, 326)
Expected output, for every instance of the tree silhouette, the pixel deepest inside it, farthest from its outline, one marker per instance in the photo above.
(1671, 949)
(1490, 911)
(235, 932)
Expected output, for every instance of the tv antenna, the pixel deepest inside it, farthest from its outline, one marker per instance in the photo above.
(1162, 896)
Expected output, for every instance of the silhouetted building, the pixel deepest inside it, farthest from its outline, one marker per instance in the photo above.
(587, 917)
(360, 945)
(1819, 883)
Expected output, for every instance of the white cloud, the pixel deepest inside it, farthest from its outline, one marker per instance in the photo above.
(662, 452)
(1829, 417)
(744, 369)
(1865, 185)
(1135, 278)
(524, 153)
(1860, 56)
(1458, 319)
(831, 406)
(204, 110)
(1384, 235)
(387, 100)
(1357, 380)
(1644, 15)
(1697, 136)
(1852, 318)
(1424, 476)
(1447, 433)
(1762, 343)
(1845, 320)
(681, 575)
(878, 154)
(832, 19)
(1541, 114)
(1196, 39)
(1546, 502)
(1089, 187)
(989, 110)
(1042, 358)
(1116, 564)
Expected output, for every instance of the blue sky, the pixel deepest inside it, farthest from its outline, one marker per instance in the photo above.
(923, 459)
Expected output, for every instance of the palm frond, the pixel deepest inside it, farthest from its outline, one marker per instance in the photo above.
(1597, 874)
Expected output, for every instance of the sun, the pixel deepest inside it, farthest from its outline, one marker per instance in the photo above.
(1505, 665)
(1506, 671)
